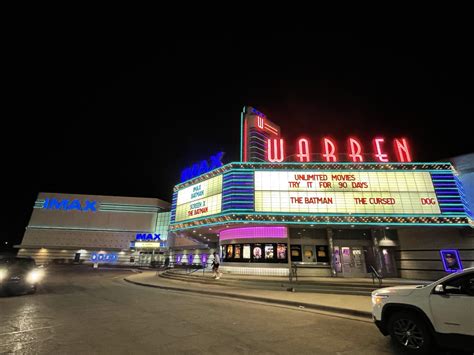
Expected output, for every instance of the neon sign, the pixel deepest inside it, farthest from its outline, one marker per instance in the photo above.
(275, 150)
(147, 237)
(66, 205)
(215, 161)
(103, 257)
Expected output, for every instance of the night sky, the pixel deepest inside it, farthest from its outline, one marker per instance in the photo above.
(118, 116)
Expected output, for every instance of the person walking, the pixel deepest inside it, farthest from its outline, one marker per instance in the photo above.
(215, 266)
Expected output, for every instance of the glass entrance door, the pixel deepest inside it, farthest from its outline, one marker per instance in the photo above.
(353, 262)
(144, 258)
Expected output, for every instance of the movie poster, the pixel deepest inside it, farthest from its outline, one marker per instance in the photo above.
(451, 260)
(322, 253)
(230, 253)
(246, 251)
(257, 252)
(269, 251)
(237, 249)
(281, 251)
(296, 253)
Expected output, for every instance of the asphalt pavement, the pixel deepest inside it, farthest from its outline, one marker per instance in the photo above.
(79, 310)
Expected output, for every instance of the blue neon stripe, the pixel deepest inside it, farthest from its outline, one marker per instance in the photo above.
(240, 198)
(238, 194)
(420, 224)
(238, 187)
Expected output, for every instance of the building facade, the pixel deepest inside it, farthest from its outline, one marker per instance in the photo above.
(340, 212)
(70, 228)
(350, 215)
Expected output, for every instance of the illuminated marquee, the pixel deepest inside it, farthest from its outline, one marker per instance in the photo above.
(368, 192)
(200, 200)
(332, 193)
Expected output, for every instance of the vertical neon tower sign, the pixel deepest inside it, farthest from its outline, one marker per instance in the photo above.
(256, 129)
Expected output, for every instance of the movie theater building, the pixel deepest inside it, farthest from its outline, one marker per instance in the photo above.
(70, 228)
(327, 213)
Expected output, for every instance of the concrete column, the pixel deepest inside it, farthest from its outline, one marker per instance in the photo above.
(288, 254)
(330, 234)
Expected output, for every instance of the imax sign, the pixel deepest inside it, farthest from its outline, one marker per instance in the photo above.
(147, 237)
(68, 205)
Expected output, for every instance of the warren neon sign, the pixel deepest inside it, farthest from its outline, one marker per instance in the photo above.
(276, 150)
(68, 205)
(204, 166)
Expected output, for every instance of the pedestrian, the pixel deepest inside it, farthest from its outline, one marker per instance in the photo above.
(215, 266)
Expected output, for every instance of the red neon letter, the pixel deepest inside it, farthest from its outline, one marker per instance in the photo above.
(275, 155)
(303, 150)
(354, 150)
(378, 150)
(402, 150)
(260, 122)
(329, 149)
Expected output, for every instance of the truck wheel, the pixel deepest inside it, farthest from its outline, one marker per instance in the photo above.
(410, 333)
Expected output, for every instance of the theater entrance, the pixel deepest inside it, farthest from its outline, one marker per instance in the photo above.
(350, 261)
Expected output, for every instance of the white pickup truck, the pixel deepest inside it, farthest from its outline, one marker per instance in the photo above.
(422, 318)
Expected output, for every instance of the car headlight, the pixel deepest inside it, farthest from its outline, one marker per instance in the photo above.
(377, 299)
(3, 274)
(34, 276)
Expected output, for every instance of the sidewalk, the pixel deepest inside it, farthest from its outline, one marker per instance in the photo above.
(349, 305)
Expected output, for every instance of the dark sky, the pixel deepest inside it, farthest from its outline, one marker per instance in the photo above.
(107, 114)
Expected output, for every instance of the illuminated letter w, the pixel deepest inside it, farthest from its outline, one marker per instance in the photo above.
(275, 151)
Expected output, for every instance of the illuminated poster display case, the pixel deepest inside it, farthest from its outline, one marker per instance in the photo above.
(255, 252)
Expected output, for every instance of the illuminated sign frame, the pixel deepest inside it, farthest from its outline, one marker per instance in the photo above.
(238, 197)
(201, 199)
(449, 253)
(345, 192)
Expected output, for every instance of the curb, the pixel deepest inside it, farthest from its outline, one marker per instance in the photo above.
(350, 312)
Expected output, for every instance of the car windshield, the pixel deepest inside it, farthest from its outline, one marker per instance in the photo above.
(22, 263)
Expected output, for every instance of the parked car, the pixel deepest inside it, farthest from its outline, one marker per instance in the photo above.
(19, 275)
(425, 317)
